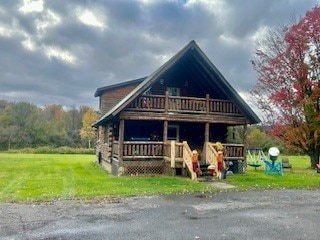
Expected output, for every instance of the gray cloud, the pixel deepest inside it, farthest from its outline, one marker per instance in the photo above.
(51, 56)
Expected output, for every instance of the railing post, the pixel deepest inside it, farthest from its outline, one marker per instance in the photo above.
(206, 138)
(173, 153)
(165, 131)
(208, 103)
(166, 102)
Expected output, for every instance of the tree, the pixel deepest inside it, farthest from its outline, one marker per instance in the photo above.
(87, 132)
(9, 135)
(257, 137)
(288, 87)
(19, 121)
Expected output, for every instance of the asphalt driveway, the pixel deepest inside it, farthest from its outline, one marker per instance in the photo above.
(269, 214)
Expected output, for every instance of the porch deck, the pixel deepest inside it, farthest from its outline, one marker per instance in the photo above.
(145, 154)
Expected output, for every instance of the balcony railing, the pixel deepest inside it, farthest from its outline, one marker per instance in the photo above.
(166, 103)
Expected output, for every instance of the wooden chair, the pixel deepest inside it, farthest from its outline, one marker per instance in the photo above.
(286, 163)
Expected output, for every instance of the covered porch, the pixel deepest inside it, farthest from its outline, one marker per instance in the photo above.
(169, 157)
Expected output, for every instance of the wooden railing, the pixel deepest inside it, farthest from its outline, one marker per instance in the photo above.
(173, 152)
(211, 154)
(231, 151)
(147, 102)
(151, 149)
(135, 150)
(165, 103)
(187, 160)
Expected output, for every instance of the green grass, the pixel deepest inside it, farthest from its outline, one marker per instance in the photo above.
(300, 176)
(44, 177)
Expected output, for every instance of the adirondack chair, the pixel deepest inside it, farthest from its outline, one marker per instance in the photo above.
(255, 157)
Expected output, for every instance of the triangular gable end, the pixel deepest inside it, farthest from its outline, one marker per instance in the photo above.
(189, 65)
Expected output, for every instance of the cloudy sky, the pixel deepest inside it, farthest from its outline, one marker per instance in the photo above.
(60, 52)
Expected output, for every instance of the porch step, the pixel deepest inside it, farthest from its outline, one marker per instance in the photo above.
(205, 179)
(205, 171)
(215, 183)
(221, 185)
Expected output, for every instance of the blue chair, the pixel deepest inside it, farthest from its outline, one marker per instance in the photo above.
(273, 167)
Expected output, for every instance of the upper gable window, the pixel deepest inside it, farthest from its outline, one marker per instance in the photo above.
(148, 91)
(173, 91)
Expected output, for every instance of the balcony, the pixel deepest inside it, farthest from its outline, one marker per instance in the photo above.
(187, 105)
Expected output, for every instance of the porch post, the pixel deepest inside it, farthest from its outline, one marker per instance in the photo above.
(121, 138)
(206, 133)
(206, 139)
(173, 154)
(165, 131)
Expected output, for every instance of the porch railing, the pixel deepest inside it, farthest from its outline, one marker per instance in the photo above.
(135, 150)
(151, 149)
(164, 103)
(233, 151)
(187, 160)
(173, 152)
(211, 154)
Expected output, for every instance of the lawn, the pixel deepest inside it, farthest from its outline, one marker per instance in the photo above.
(44, 177)
(300, 176)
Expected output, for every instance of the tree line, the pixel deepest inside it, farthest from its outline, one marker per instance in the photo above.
(24, 125)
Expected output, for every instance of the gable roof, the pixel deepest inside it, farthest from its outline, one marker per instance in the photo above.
(101, 90)
(192, 59)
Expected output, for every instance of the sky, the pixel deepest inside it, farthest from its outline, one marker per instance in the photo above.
(60, 52)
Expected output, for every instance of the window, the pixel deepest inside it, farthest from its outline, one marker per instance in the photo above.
(173, 91)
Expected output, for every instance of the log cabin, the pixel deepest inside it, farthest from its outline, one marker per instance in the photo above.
(151, 125)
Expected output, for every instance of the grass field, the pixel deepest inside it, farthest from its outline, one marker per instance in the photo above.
(43, 177)
(300, 176)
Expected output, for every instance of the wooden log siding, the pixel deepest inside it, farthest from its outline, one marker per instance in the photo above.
(134, 150)
(115, 149)
(184, 105)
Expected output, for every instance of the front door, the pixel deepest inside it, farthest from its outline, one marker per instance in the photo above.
(173, 132)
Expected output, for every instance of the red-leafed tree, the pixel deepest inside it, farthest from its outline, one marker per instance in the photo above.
(288, 87)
